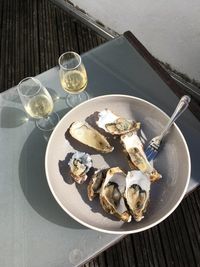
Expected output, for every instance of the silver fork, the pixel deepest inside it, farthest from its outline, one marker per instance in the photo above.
(154, 145)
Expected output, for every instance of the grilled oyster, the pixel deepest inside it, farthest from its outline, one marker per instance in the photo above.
(134, 147)
(95, 184)
(87, 135)
(137, 193)
(115, 125)
(80, 164)
(111, 195)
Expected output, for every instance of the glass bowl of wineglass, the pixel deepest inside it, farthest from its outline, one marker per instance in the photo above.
(38, 103)
(73, 78)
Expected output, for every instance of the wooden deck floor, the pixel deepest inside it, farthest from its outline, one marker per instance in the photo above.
(33, 34)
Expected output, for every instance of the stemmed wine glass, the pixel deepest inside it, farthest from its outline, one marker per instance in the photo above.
(73, 77)
(38, 103)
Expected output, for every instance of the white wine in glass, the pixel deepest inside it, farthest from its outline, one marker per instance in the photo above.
(38, 103)
(39, 106)
(74, 81)
(73, 78)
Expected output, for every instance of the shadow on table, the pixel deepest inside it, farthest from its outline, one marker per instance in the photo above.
(34, 183)
(12, 117)
(55, 96)
(11, 96)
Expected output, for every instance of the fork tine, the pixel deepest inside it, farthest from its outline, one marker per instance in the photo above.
(150, 152)
(152, 155)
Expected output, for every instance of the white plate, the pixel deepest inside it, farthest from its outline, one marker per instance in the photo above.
(173, 163)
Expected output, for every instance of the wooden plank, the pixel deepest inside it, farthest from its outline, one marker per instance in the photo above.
(165, 243)
(34, 25)
(6, 51)
(41, 37)
(130, 251)
(54, 43)
(126, 252)
(28, 39)
(3, 78)
(21, 47)
(1, 17)
(182, 246)
(9, 46)
(13, 34)
(192, 246)
(154, 247)
(136, 241)
(18, 75)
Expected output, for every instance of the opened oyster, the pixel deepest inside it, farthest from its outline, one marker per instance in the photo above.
(115, 125)
(87, 135)
(137, 193)
(95, 184)
(134, 147)
(111, 195)
(80, 164)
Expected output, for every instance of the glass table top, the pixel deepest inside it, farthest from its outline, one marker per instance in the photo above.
(34, 230)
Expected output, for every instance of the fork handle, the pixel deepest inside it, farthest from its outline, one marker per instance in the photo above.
(181, 107)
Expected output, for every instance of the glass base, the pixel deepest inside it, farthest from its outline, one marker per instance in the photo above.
(73, 100)
(49, 123)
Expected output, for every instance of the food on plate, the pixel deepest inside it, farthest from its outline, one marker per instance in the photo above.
(114, 124)
(95, 183)
(87, 135)
(124, 195)
(137, 193)
(136, 155)
(112, 194)
(80, 164)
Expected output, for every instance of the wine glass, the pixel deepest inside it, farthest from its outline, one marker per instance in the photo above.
(38, 103)
(73, 78)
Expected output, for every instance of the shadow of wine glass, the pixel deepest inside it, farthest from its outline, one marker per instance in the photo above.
(34, 183)
(12, 117)
(53, 94)
(11, 96)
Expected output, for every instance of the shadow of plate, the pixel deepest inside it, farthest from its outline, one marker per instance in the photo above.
(34, 183)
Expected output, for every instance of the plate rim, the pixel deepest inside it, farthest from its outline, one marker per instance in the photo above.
(112, 231)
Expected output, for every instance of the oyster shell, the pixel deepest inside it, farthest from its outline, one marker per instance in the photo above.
(115, 125)
(87, 135)
(134, 147)
(111, 195)
(95, 184)
(80, 164)
(137, 193)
